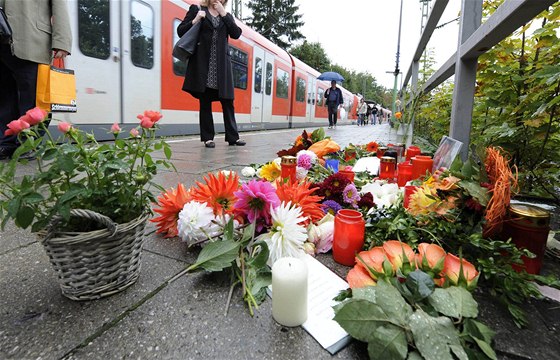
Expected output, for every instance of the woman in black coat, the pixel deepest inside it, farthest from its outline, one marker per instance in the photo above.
(209, 75)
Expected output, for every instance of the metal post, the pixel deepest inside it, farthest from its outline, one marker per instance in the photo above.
(397, 71)
(465, 77)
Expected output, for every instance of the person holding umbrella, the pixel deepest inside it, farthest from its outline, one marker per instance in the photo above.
(334, 99)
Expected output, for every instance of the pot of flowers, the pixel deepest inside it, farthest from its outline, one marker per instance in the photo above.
(87, 201)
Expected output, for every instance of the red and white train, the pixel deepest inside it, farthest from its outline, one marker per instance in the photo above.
(123, 64)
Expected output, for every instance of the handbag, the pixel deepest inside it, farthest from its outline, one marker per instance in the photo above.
(56, 88)
(186, 46)
(5, 29)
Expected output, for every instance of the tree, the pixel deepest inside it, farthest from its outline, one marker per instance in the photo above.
(276, 20)
(313, 55)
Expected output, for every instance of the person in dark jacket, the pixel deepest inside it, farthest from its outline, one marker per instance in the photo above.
(209, 73)
(334, 99)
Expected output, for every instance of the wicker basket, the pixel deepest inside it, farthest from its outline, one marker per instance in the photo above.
(95, 264)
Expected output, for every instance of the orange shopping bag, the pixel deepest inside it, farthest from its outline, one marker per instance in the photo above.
(56, 88)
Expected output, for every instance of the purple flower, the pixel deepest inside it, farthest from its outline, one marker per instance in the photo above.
(331, 206)
(304, 161)
(254, 200)
(350, 194)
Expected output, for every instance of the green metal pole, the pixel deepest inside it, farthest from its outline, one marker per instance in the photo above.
(397, 71)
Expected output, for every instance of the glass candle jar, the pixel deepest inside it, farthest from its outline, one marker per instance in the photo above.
(348, 239)
(528, 228)
(349, 174)
(387, 168)
(404, 173)
(288, 165)
(381, 151)
(392, 153)
(412, 151)
(332, 164)
(420, 165)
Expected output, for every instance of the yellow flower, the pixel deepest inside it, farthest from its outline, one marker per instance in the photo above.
(423, 201)
(271, 171)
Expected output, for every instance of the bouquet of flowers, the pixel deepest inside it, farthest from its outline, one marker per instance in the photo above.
(77, 172)
(414, 305)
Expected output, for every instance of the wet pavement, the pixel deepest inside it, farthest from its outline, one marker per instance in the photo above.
(185, 320)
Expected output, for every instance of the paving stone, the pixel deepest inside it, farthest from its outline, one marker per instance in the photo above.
(186, 321)
(37, 321)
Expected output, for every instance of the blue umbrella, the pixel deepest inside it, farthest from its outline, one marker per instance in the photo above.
(330, 76)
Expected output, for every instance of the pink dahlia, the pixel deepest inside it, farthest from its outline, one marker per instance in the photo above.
(254, 200)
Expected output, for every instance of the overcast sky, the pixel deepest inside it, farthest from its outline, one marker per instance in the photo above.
(362, 35)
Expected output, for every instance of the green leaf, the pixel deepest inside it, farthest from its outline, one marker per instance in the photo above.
(415, 355)
(486, 348)
(479, 193)
(434, 335)
(260, 254)
(24, 217)
(361, 318)
(476, 329)
(167, 151)
(262, 280)
(228, 230)
(420, 284)
(365, 293)
(389, 343)
(393, 304)
(66, 163)
(216, 256)
(455, 302)
(33, 198)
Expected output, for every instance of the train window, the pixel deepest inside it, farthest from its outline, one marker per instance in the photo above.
(282, 83)
(239, 61)
(301, 87)
(141, 34)
(94, 38)
(258, 75)
(268, 88)
(320, 94)
(179, 67)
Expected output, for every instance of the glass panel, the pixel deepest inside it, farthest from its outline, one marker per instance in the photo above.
(179, 67)
(320, 94)
(268, 88)
(239, 61)
(258, 75)
(141, 35)
(300, 90)
(282, 78)
(94, 38)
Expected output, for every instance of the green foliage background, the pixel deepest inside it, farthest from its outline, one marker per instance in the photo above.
(516, 103)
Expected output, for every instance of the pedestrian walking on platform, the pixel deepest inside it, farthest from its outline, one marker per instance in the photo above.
(362, 111)
(209, 72)
(40, 31)
(334, 100)
(374, 112)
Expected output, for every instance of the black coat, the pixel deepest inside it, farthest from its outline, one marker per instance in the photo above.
(197, 68)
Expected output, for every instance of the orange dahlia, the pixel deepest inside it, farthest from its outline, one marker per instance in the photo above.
(170, 203)
(299, 194)
(217, 192)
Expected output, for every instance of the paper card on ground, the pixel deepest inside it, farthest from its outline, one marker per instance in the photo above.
(323, 286)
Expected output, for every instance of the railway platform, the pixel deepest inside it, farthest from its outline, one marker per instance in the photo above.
(185, 320)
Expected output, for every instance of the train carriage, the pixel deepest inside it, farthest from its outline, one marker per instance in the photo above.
(122, 58)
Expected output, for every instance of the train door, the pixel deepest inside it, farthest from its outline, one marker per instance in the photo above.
(261, 107)
(311, 86)
(96, 59)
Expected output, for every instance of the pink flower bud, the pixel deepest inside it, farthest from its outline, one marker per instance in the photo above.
(35, 116)
(115, 129)
(134, 132)
(16, 126)
(64, 127)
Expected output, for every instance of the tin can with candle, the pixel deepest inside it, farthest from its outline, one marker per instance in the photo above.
(288, 165)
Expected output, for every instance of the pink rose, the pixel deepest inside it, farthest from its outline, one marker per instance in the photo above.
(153, 115)
(35, 116)
(134, 132)
(64, 127)
(16, 126)
(115, 129)
(146, 123)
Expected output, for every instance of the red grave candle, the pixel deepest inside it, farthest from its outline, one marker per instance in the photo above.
(421, 164)
(404, 173)
(412, 151)
(408, 190)
(349, 231)
(288, 165)
(387, 168)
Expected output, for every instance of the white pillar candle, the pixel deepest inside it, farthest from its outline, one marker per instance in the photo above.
(289, 291)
